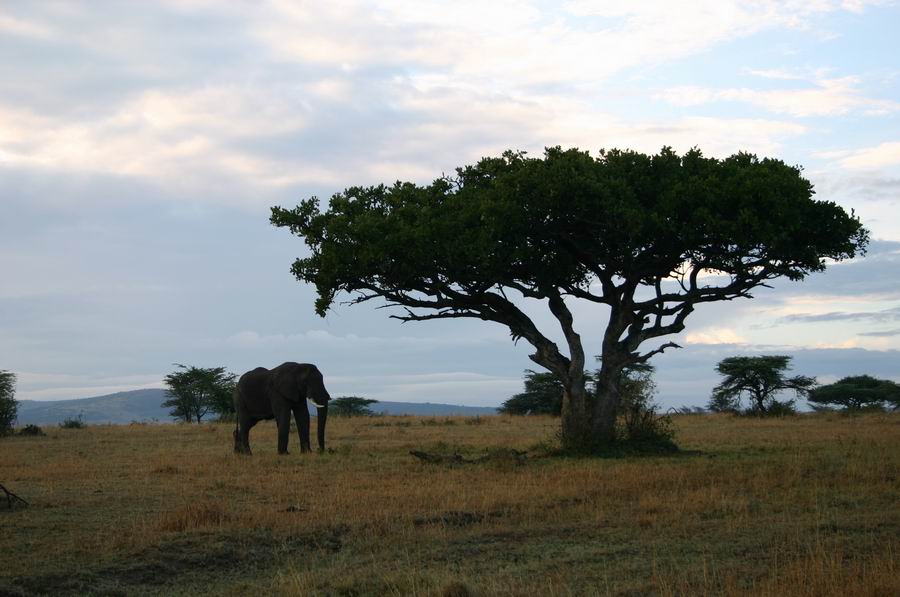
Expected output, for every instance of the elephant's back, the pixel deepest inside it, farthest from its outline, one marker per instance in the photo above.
(252, 386)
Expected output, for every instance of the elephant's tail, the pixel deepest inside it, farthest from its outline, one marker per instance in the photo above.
(235, 399)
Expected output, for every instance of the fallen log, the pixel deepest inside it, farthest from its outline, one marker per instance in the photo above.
(11, 498)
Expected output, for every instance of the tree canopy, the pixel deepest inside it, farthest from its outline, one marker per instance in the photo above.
(648, 237)
(351, 406)
(857, 392)
(759, 379)
(194, 392)
(9, 407)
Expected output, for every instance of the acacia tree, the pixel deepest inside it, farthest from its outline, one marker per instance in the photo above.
(542, 396)
(647, 237)
(351, 406)
(760, 379)
(857, 392)
(9, 408)
(194, 392)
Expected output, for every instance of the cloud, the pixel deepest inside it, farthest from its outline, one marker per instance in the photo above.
(715, 335)
(882, 334)
(355, 92)
(21, 27)
(826, 97)
(880, 156)
(871, 316)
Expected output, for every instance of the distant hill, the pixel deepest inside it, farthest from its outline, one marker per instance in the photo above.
(121, 407)
(144, 405)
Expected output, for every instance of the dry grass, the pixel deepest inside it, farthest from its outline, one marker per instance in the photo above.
(802, 506)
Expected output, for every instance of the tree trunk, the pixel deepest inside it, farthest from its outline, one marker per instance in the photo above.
(606, 403)
(575, 424)
(760, 404)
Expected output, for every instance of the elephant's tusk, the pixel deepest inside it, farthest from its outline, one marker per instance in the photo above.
(316, 405)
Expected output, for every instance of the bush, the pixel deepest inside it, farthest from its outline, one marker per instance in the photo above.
(73, 422)
(781, 409)
(641, 426)
(32, 430)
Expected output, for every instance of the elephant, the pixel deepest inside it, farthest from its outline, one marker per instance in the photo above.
(276, 393)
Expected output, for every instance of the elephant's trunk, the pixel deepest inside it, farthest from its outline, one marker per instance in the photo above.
(321, 419)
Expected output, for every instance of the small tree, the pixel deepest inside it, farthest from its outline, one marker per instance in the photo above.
(351, 406)
(194, 392)
(9, 408)
(857, 392)
(759, 379)
(542, 396)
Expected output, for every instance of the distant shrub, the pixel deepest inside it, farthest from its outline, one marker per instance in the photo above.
(778, 408)
(432, 422)
(32, 430)
(73, 422)
(143, 422)
(351, 406)
(476, 420)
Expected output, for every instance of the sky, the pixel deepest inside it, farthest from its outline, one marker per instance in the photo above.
(143, 143)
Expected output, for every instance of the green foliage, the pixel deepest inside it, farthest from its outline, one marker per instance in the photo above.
(542, 396)
(625, 230)
(781, 408)
(9, 407)
(73, 422)
(351, 406)
(519, 221)
(722, 402)
(759, 379)
(194, 392)
(640, 425)
(857, 392)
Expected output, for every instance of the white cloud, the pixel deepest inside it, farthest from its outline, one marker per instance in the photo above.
(515, 43)
(826, 97)
(715, 335)
(430, 84)
(25, 28)
(870, 158)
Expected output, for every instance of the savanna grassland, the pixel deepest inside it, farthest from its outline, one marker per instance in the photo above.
(808, 505)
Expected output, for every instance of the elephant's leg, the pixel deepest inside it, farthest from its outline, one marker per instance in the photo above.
(242, 441)
(283, 420)
(301, 415)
